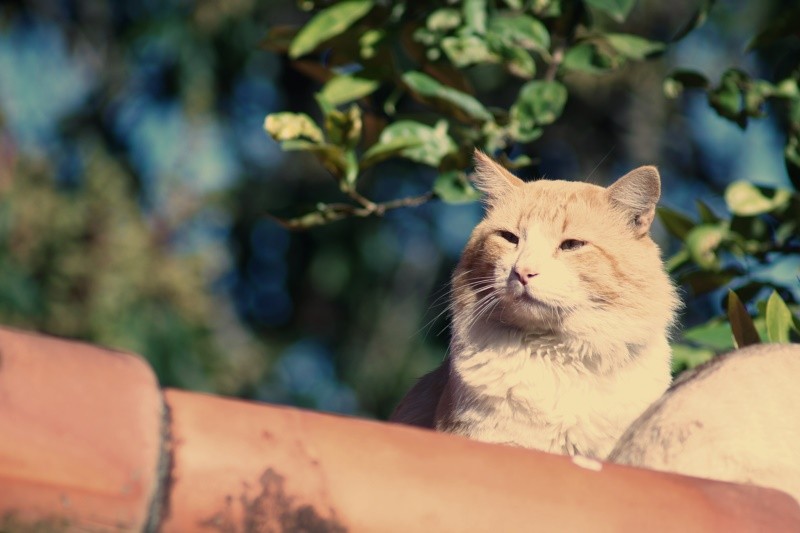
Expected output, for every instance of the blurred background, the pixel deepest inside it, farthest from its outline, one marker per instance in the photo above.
(136, 182)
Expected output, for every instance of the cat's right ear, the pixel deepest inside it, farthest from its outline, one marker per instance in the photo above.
(637, 193)
(492, 178)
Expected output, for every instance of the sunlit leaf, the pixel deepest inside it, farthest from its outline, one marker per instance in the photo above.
(425, 144)
(539, 103)
(715, 334)
(465, 50)
(633, 46)
(286, 126)
(454, 187)
(742, 327)
(702, 242)
(475, 15)
(779, 319)
(745, 199)
(430, 89)
(342, 89)
(328, 23)
(381, 151)
(521, 30)
(444, 19)
(617, 9)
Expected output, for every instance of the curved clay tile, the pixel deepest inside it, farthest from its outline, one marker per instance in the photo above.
(88, 445)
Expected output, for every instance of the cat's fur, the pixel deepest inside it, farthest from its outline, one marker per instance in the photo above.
(733, 419)
(565, 361)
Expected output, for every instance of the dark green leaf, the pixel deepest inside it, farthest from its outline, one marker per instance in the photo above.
(728, 98)
(586, 57)
(777, 28)
(344, 127)
(680, 258)
(279, 38)
(791, 155)
(707, 216)
(328, 23)
(617, 9)
(779, 319)
(453, 187)
(745, 199)
(331, 156)
(430, 89)
(742, 327)
(680, 80)
(704, 281)
(698, 19)
(676, 223)
(632, 46)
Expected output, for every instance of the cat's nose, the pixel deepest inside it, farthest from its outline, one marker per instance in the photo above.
(524, 273)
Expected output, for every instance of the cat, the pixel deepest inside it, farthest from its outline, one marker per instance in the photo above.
(560, 309)
(732, 419)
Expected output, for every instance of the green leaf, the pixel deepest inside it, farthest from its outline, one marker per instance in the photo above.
(586, 57)
(328, 23)
(344, 127)
(745, 199)
(779, 319)
(707, 216)
(331, 156)
(453, 187)
(539, 103)
(685, 357)
(728, 98)
(617, 9)
(520, 30)
(632, 46)
(286, 126)
(475, 15)
(676, 223)
(680, 258)
(443, 20)
(429, 89)
(714, 334)
(705, 281)
(342, 89)
(465, 50)
(791, 154)
(742, 327)
(702, 242)
(381, 151)
(777, 28)
(425, 144)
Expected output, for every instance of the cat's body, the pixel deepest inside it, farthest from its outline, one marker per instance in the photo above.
(733, 419)
(560, 312)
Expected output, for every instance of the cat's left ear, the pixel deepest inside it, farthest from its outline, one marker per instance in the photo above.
(492, 178)
(637, 193)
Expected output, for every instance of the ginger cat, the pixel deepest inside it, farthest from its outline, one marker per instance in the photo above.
(733, 419)
(560, 314)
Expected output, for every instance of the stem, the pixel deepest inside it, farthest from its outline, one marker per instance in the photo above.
(555, 62)
(327, 213)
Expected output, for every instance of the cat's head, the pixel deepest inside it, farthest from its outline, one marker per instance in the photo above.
(566, 256)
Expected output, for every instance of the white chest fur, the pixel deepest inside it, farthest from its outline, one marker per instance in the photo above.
(554, 394)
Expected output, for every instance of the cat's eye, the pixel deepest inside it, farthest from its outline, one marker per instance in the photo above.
(510, 237)
(569, 245)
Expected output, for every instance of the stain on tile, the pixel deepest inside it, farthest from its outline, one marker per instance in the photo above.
(272, 511)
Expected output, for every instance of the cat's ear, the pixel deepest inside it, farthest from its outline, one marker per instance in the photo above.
(492, 179)
(637, 193)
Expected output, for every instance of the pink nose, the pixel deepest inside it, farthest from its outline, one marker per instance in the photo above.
(524, 274)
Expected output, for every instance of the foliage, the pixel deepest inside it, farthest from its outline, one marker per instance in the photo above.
(440, 58)
(376, 56)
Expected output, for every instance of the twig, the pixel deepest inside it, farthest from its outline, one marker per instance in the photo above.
(555, 62)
